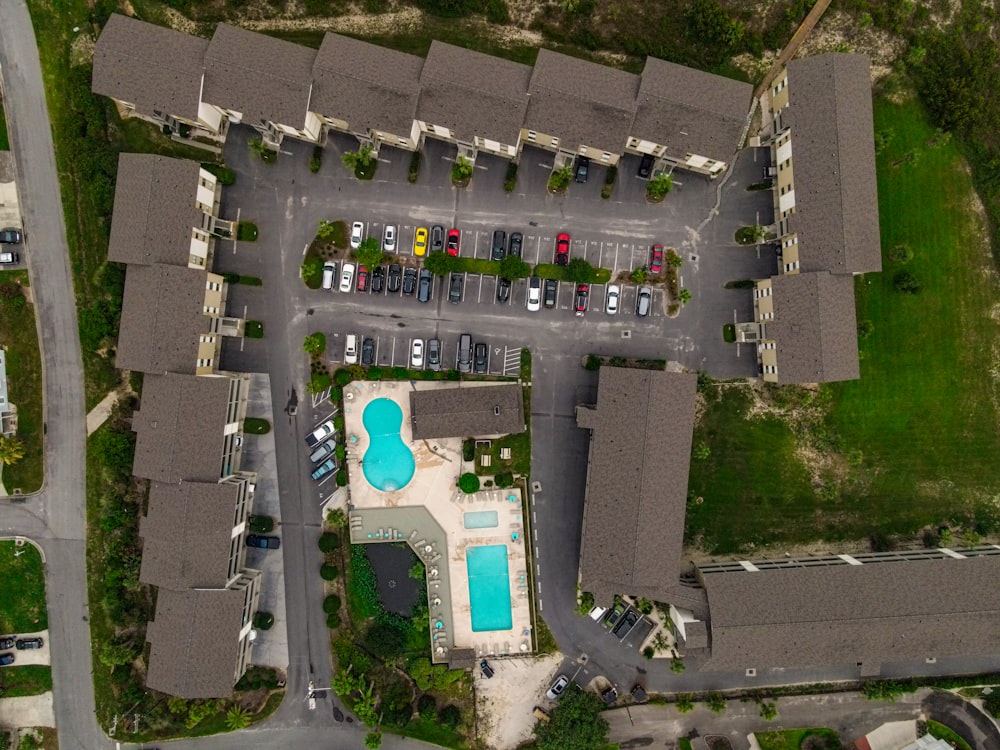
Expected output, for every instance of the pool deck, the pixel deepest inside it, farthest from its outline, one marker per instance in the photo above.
(428, 515)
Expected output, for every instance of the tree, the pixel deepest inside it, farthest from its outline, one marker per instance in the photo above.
(237, 718)
(905, 282)
(331, 604)
(344, 683)
(468, 483)
(440, 263)
(360, 160)
(117, 654)
(373, 740)
(327, 230)
(673, 259)
(512, 267)
(768, 711)
(11, 450)
(638, 276)
(658, 187)
(716, 703)
(370, 254)
(901, 253)
(684, 296)
(461, 172)
(314, 343)
(450, 715)
(329, 541)
(336, 517)
(260, 149)
(580, 271)
(676, 666)
(575, 724)
(684, 703)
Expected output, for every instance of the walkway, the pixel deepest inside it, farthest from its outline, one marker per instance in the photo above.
(797, 40)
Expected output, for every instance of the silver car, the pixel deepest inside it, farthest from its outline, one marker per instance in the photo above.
(324, 451)
(389, 238)
(644, 302)
(612, 298)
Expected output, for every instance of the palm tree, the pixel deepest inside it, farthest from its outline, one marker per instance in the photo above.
(237, 718)
(11, 450)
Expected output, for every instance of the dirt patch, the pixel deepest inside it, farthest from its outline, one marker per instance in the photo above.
(839, 32)
(504, 704)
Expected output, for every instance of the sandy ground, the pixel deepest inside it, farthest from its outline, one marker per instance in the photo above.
(29, 711)
(504, 704)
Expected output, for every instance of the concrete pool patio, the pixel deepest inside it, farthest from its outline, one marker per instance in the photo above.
(429, 515)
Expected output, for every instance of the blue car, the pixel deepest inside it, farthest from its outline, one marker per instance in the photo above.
(324, 468)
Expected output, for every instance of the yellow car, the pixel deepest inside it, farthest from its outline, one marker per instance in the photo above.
(420, 241)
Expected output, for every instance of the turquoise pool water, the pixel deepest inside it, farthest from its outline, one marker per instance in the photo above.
(489, 587)
(388, 464)
(481, 519)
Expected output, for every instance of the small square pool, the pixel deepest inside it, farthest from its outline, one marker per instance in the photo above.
(489, 587)
(482, 519)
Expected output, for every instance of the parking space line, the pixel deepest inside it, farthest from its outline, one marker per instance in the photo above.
(538, 249)
(392, 355)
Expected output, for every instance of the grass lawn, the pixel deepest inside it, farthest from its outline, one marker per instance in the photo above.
(33, 679)
(946, 733)
(22, 596)
(791, 739)
(913, 443)
(24, 379)
(4, 140)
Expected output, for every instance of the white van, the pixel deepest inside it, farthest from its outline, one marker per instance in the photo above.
(351, 350)
(329, 269)
(597, 613)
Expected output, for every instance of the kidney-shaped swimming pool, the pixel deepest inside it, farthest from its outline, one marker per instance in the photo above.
(387, 464)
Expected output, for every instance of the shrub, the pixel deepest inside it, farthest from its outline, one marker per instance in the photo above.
(729, 333)
(658, 187)
(254, 329)
(341, 478)
(386, 640)
(510, 179)
(469, 449)
(256, 426)
(559, 179)
(639, 275)
(592, 363)
(461, 171)
(332, 620)
(426, 706)
(261, 524)
(716, 703)
(223, 174)
(331, 604)
(450, 716)
(375, 372)
(505, 480)
(318, 382)
(340, 452)
(329, 572)
(468, 483)
(338, 422)
(905, 282)
(865, 329)
(901, 254)
(684, 703)
(750, 235)
(246, 232)
(329, 541)
(312, 271)
(316, 161)
(648, 652)
(414, 167)
(263, 620)
(342, 377)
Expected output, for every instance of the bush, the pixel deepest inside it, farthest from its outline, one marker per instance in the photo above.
(314, 343)
(905, 282)
(246, 231)
(658, 187)
(505, 480)
(261, 524)
(223, 174)
(592, 363)
(342, 377)
(510, 179)
(461, 171)
(254, 329)
(316, 161)
(468, 483)
(901, 254)
(329, 541)
(332, 620)
(559, 179)
(342, 478)
(450, 716)
(256, 426)
(374, 372)
(716, 703)
(729, 333)
(263, 620)
(331, 604)
(329, 572)
(750, 235)
(865, 329)
(318, 382)
(469, 449)
(648, 652)
(414, 167)
(426, 706)
(312, 271)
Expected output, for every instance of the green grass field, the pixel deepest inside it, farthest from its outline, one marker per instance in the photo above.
(4, 139)
(792, 739)
(32, 679)
(22, 596)
(911, 444)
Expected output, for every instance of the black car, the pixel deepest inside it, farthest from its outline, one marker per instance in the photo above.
(516, 239)
(479, 359)
(434, 355)
(487, 669)
(499, 244)
(609, 695)
(582, 168)
(437, 238)
(10, 236)
(646, 166)
(625, 624)
(7, 643)
(6, 659)
(551, 289)
(263, 542)
(409, 281)
(378, 280)
(424, 285)
(455, 288)
(28, 644)
(395, 278)
(368, 351)
(503, 289)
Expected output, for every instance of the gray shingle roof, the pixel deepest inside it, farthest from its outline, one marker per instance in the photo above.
(179, 428)
(263, 78)
(162, 318)
(187, 535)
(366, 85)
(845, 614)
(580, 102)
(194, 642)
(468, 411)
(472, 93)
(640, 452)
(833, 163)
(815, 327)
(154, 210)
(690, 111)
(150, 66)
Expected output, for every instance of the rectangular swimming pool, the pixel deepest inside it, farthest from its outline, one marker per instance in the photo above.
(481, 519)
(489, 587)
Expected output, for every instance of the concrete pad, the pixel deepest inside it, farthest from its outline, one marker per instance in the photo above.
(27, 711)
(100, 413)
(893, 735)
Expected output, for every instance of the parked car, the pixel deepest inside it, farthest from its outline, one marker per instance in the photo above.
(644, 302)
(616, 612)
(347, 277)
(656, 259)
(357, 234)
(479, 359)
(626, 623)
(455, 288)
(465, 353)
(320, 434)
(329, 272)
(646, 166)
(7, 643)
(417, 354)
(516, 240)
(534, 301)
(395, 279)
(597, 613)
(612, 298)
(378, 279)
(562, 249)
(9, 258)
(558, 687)
(434, 355)
(409, 281)
(368, 351)
(454, 237)
(582, 298)
(10, 236)
(609, 695)
(389, 238)
(325, 450)
(6, 659)
(499, 244)
(362, 285)
(551, 292)
(503, 289)
(28, 644)
(350, 349)
(437, 238)
(582, 169)
(324, 468)
(424, 284)
(420, 241)
(487, 669)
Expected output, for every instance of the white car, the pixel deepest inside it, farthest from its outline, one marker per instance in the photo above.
(417, 354)
(534, 294)
(347, 277)
(351, 349)
(611, 300)
(357, 234)
(389, 238)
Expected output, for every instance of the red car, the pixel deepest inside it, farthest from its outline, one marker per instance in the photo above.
(582, 295)
(562, 249)
(452, 244)
(656, 259)
(362, 279)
